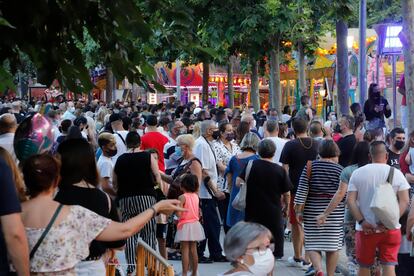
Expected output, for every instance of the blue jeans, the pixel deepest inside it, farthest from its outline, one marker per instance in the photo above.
(211, 224)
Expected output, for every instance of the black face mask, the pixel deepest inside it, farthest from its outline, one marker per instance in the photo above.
(399, 145)
(337, 128)
(216, 134)
(111, 152)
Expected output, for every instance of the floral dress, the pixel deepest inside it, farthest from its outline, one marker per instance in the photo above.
(66, 244)
(223, 154)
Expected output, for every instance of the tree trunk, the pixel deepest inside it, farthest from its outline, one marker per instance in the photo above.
(230, 88)
(342, 65)
(254, 91)
(408, 30)
(275, 91)
(109, 85)
(301, 69)
(206, 75)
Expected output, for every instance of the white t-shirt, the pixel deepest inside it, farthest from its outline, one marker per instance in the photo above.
(105, 167)
(280, 143)
(204, 153)
(364, 181)
(120, 144)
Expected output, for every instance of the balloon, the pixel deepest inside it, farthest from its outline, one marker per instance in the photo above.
(33, 136)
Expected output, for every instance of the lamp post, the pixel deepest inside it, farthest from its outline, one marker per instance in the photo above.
(390, 44)
(362, 68)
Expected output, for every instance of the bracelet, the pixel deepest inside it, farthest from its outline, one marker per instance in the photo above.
(155, 211)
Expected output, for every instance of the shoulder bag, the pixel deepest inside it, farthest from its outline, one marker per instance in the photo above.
(239, 202)
(46, 231)
(384, 203)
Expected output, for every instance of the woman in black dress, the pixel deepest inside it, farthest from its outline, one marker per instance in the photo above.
(267, 183)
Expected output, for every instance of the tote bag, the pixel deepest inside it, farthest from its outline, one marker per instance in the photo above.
(384, 203)
(239, 202)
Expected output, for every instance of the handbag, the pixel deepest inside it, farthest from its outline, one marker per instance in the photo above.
(384, 203)
(46, 231)
(239, 202)
(174, 191)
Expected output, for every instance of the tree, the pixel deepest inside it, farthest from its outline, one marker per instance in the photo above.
(408, 31)
(53, 35)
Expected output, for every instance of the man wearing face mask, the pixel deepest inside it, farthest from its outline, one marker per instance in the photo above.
(252, 123)
(204, 152)
(397, 142)
(171, 159)
(107, 143)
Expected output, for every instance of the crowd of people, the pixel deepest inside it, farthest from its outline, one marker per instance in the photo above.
(169, 174)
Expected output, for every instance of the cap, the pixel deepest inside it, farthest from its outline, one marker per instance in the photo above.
(196, 110)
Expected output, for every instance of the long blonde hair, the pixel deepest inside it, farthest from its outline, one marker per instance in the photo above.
(17, 175)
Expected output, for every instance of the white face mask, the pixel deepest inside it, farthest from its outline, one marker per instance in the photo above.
(263, 264)
(254, 124)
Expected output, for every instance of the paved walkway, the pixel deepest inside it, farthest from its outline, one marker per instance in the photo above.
(282, 267)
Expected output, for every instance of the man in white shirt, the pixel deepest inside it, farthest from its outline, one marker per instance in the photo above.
(271, 132)
(8, 126)
(120, 135)
(107, 143)
(371, 235)
(211, 222)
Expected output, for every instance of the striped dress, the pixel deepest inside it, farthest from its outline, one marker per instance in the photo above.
(316, 195)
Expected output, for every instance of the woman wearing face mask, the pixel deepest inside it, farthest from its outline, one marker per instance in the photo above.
(375, 108)
(249, 249)
(189, 164)
(79, 186)
(224, 149)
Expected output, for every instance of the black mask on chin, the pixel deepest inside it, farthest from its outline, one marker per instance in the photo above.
(216, 134)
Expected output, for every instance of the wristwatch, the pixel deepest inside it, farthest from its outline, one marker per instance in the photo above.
(360, 222)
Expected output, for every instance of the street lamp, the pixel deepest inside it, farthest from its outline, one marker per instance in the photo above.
(389, 43)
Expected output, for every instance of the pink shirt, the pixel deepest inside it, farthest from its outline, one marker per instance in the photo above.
(193, 210)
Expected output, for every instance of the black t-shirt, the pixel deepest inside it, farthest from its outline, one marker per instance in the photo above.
(346, 146)
(296, 153)
(9, 204)
(134, 175)
(96, 201)
(393, 159)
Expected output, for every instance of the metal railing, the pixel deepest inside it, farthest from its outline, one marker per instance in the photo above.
(148, 263)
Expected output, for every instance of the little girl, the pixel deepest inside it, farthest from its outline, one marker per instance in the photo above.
(189, 229)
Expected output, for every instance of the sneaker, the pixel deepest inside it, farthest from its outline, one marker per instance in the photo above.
(204, 260)
(310, 271)
(299, 263)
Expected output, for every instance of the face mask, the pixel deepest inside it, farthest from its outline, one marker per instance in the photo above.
(263, 264)
(178, 151)
(333, 117)
(72, 110)
(230, 137)
(399, 145)
(216, 134)
(182, 131)
(111, 152)
(254, 124)
(190, 131)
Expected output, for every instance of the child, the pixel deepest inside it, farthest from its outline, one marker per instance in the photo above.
(189, 229)
(409, 158)
(107, 143)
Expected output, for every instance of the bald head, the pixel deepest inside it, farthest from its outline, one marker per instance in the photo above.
(8, 123)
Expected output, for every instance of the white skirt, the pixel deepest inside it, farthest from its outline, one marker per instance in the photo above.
(192, 231)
